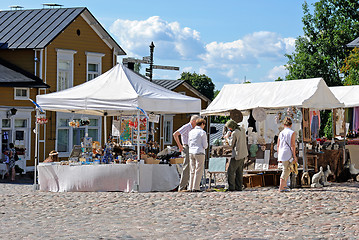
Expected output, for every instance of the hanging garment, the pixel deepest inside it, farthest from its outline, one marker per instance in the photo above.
(314, 127)
(314, 123)
(349, 117)
(252, 122)
(356, 119)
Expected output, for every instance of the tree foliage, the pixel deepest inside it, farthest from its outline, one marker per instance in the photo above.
(137, 67)
(322, 50)
(202, 83)
(351, 68)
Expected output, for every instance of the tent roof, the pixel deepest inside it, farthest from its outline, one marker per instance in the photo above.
(307, 93)
(118, 91)
(349, 95)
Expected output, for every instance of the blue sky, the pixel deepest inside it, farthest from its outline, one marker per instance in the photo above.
(228, 40)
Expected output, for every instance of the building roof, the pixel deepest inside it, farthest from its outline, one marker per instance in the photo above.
(173, 84)
(354, 43)
(13, 76)
(169, 84)
(37, 28)
(218, 134)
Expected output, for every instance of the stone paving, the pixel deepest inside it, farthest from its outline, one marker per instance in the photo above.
(263, 213)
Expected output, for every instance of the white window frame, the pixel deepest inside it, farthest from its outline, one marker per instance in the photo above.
(167, 118)
(94, 58)
(21, 97)
(65, 55)
(71, 116)
(24, 114)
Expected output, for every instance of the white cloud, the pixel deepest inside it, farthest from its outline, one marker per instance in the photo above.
(250, 56)
(277, 71)
(250, 49)
(187, 69)
(171, 40)
(203, 71)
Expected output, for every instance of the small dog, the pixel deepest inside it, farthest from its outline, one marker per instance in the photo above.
(317, 177)
(305, 179)
(325, 176)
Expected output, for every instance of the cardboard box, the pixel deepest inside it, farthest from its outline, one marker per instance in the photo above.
(176, 160)
(151, 160)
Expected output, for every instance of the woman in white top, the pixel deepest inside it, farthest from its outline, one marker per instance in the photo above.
(197, 143)
(286, 151)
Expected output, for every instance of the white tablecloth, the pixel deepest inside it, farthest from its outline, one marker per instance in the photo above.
(108, 177)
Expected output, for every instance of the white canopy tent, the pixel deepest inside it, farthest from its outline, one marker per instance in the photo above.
(305, 93)
(348, 95)
(118, 91)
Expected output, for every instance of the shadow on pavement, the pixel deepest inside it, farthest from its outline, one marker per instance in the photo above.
(27, 178)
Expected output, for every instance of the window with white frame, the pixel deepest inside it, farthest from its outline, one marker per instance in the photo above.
(68, 136)
(16, 130)
(21, 93)
(167, 129)
(63, 135)
(65, 67)
(94, 65)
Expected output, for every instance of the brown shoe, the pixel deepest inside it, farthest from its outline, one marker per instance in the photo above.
(184, 190)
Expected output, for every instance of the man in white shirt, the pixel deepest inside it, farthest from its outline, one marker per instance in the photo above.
(183, 147)
(197, 143)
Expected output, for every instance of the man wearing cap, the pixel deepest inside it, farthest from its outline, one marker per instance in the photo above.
(183, 147)
(239, 154)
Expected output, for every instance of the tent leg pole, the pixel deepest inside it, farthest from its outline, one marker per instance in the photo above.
(138, 151)
(138, 135)
(345, 134)
(305, 166)
(104, 130)
(36, 186)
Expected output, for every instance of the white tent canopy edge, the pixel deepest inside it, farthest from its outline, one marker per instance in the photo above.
(304, 93)
(118, 91)
(348, 95)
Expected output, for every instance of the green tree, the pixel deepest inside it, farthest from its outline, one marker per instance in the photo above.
(351, 68)
(216, 92)
(202, 83)
(321, 51)
(137, 67)
(218, 119)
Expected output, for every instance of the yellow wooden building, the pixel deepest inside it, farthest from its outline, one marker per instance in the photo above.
(57, 49)
(64, 47)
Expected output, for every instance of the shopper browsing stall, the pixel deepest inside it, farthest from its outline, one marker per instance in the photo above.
(183, 147)
(197, 142)
(286, 151)
(239, 154)
(53, 157)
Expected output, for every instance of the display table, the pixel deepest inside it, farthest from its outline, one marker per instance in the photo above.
(107, 177)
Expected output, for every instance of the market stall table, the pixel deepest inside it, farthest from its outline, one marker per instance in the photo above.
(107, 177)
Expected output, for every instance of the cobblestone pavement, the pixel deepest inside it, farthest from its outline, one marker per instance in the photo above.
(263, 213)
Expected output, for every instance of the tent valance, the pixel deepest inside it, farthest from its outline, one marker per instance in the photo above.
(119, 90)
(305, 93)
(348, 95)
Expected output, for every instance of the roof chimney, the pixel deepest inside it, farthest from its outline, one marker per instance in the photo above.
(15, 7)
(51, 5)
